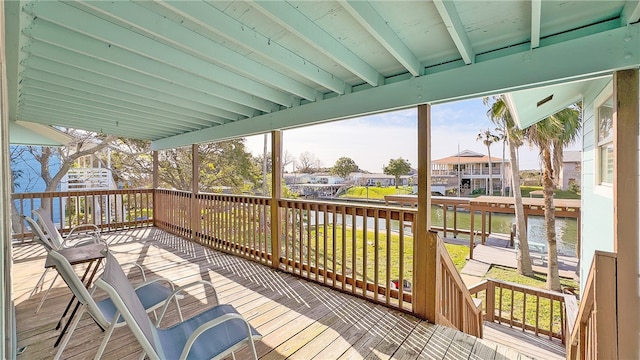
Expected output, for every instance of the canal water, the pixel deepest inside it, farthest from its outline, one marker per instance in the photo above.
(566, 228)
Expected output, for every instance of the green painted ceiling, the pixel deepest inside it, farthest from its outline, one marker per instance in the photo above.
(190, 71)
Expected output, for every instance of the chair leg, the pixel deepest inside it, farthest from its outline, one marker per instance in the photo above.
(107, 336)
(47, 293)
(253, 348)
(64, 343)
(40, 281)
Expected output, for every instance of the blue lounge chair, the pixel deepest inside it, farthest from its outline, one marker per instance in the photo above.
(212, 334)
(150, 294)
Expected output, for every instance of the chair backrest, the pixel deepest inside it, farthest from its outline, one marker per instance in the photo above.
(44, 218)
(115, 283)
(67, 273)
(40, 237)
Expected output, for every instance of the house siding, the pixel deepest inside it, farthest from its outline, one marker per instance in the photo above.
(597, 208)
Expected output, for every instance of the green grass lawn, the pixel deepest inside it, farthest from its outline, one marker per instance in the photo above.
(459, 255)
(558, 194)
(383, 259)
(343, 239)
(376, 192)
(538, 280)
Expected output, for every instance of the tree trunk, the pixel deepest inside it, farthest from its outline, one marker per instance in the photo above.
(553, 278)
(502, 192)
(490, 186)
(557, 163)
(524, 259)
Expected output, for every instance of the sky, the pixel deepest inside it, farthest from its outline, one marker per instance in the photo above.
(373, 140)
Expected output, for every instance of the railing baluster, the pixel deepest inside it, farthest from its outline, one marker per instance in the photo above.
(300, 242)
(317, 238)
(343, 241)
(551, 320)
(309, 247)
(388, 257)
(524, 310)
(286, 237)
(325, 252)
(376, 254)
(354, 267)
(365, 251)
(537, 312)
(333, 244)
(512, 303)
(401, 260)
(500, 307)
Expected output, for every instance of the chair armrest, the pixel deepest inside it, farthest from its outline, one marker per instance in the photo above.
(144, 276)
(180, 289)
(92, 229)
(211, 324)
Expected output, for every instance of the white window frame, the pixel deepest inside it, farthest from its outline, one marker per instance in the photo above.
(600, 187)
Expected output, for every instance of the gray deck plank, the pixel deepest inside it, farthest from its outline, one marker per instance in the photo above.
(299, 319)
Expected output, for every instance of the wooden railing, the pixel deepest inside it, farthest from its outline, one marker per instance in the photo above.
(109, 209)
(236, 224)
(365, 250)
(594, 334)
(319, 240)
(173, 212)
(538, 311)
(450, 207)
(360, 249)
(456, 307)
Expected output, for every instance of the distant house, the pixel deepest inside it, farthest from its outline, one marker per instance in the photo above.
(315, 178)
(326, 178)
(571, 169)
(363, 179)
(470, 171)
(295, 178)
(316, 185)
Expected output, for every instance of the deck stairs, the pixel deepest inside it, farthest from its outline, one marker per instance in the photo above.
(103, 207)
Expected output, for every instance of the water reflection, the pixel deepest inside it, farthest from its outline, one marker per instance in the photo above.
(566, 228)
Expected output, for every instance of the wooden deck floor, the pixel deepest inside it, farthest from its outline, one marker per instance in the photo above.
(298, 319)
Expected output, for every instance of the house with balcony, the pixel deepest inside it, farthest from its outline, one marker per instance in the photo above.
(472, 172)
(183, 73)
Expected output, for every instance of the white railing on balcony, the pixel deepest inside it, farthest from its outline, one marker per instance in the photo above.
(78, 179)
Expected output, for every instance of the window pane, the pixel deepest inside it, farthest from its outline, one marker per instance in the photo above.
(605, 120)
(606, 164)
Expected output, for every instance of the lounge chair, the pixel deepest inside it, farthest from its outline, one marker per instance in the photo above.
(212, 334)
(78, 235)
(46, 231)
(45, 241)
(150, 295)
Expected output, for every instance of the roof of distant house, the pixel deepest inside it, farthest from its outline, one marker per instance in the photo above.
(571, 156)
(466, 157)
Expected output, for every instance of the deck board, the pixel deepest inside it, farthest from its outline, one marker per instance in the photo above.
(298, 319)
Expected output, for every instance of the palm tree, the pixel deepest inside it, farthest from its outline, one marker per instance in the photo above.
(550, 136)
(499, 113)
(488, 138)
(501, 130)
